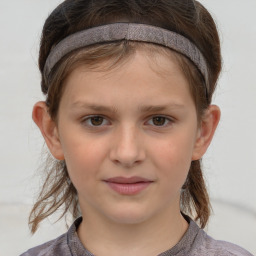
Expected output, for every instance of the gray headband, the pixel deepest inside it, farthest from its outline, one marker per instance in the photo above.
(127, 31)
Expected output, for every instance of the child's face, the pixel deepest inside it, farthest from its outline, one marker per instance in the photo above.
(128, 139)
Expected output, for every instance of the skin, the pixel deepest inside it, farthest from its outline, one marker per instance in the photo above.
(128, 142)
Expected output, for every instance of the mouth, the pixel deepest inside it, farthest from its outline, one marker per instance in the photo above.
(128, 186)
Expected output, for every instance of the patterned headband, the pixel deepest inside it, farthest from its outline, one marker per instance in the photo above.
(132, 32)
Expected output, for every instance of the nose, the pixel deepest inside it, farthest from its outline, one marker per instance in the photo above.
(128, 147)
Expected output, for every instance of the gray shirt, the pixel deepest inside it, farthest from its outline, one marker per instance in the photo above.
(195, 242)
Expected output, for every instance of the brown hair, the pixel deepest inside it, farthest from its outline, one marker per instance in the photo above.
(186, 17)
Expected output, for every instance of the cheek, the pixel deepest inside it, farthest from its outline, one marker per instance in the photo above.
(83, 159)
(173, 160)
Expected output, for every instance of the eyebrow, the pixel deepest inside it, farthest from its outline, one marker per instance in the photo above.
(112, 109)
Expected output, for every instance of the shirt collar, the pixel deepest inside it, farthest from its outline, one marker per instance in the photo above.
(183, 246)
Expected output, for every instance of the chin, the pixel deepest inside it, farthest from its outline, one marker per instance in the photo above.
(129, 216)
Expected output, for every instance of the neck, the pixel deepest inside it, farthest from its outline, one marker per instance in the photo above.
(150, 238)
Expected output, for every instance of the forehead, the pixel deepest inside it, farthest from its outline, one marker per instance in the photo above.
(143, 76)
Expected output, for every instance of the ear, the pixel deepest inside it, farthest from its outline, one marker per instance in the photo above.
(48, 129)
(206, 131)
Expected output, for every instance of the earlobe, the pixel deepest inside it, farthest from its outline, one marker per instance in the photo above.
(206, 131)
(48, 129)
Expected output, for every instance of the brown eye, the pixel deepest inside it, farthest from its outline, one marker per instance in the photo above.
(159, 120)
(96, 120)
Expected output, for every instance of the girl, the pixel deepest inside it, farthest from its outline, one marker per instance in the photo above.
(128, 116)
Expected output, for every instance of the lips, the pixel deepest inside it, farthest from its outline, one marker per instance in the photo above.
(129, 180)
(128, 186)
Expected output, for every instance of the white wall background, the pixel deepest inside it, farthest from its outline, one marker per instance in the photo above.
(230, 163)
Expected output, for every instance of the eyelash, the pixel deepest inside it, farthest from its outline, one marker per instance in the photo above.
(169, 120)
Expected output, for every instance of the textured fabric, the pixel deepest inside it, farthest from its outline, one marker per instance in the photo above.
(127, 31)
(195, 242)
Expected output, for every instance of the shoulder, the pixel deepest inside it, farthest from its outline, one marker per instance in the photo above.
(206, 245)
(58, 246)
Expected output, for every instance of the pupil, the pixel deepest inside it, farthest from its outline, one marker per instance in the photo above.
(97, 120)
(159, 120)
